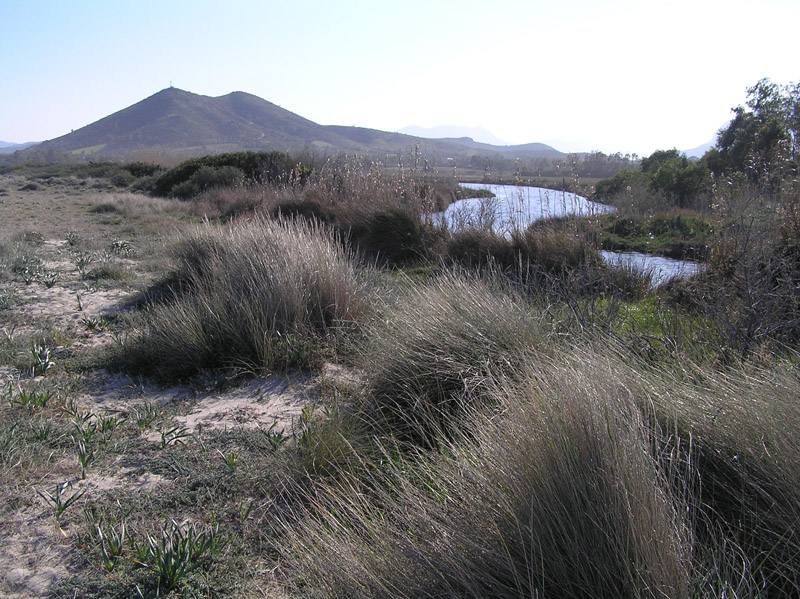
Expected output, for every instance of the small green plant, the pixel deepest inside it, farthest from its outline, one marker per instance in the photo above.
(49, 279)
(107, 424)
(111, 539)
(276, 438)
(91, 324)
(71, 408)
(82, 260)
(121, 248)
(58, 500)
(80, 303)
(42, 430)
(5, 443)
(177, 552)
(86, 425)
(72, 239)
(85, 453)
(174, 436)
(41, 359)
(118, 339)
(146, 414)
(230, 460)
(28, 267)
(31, 400)
(244, 509)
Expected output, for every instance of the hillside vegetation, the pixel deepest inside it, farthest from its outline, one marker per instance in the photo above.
(481, 415)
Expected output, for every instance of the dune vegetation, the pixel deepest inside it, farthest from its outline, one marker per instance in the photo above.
(476, 415)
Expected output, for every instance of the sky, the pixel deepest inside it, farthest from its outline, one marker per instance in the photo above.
(629, 76)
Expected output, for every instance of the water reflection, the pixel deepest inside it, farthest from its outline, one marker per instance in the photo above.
(516, 207)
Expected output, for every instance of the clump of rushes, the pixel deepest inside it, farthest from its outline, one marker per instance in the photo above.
(586, 474)
(554, 492)
(431, 354)
(260, 294)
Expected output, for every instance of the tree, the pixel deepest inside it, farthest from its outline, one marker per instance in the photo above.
(761, 141)
(671, 172)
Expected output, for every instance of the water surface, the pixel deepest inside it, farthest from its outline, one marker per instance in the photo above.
(516, 207)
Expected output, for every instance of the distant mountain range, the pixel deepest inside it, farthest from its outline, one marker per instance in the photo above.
(6, 147)
(178, 121)
(700, 150)
(478, 134)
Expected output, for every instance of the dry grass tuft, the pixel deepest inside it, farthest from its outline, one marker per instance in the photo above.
(255, 294)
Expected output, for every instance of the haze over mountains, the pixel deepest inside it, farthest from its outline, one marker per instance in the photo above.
(183, 122)
(7, 147)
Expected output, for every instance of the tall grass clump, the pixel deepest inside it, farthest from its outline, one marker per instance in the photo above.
(554, 492)
(740, 431)
(432, 353)
(586, 473)
(255, 294)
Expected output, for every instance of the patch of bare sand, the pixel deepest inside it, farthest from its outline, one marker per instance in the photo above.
(259, 403)
(36, 550)
(34, 555)
(60, 303)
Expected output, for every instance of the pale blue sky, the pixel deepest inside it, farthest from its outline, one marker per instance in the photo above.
(618, 75)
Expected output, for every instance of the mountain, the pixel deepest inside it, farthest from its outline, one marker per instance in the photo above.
(700, 150)
(478, 134)
(7, 147)
(178, 121)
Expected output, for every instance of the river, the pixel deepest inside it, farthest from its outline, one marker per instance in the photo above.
(516, 207)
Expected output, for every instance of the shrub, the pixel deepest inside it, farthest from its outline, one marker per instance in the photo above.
(142, 169)
(395, 236)
(479, 248)
(553, 249)
(308, 210)
(122, 179)
(748, 291)
(208, 177)
(606, 189)
(258, 167)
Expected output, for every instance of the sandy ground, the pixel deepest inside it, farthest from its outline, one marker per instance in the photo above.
(35, 549)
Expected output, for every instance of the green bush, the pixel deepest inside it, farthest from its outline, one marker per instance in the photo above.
(478, 248)
(142, 169)
(608, 188)
(546, 248)
(308, 210)
(258, 167)
(208, 177)
(122, 179)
